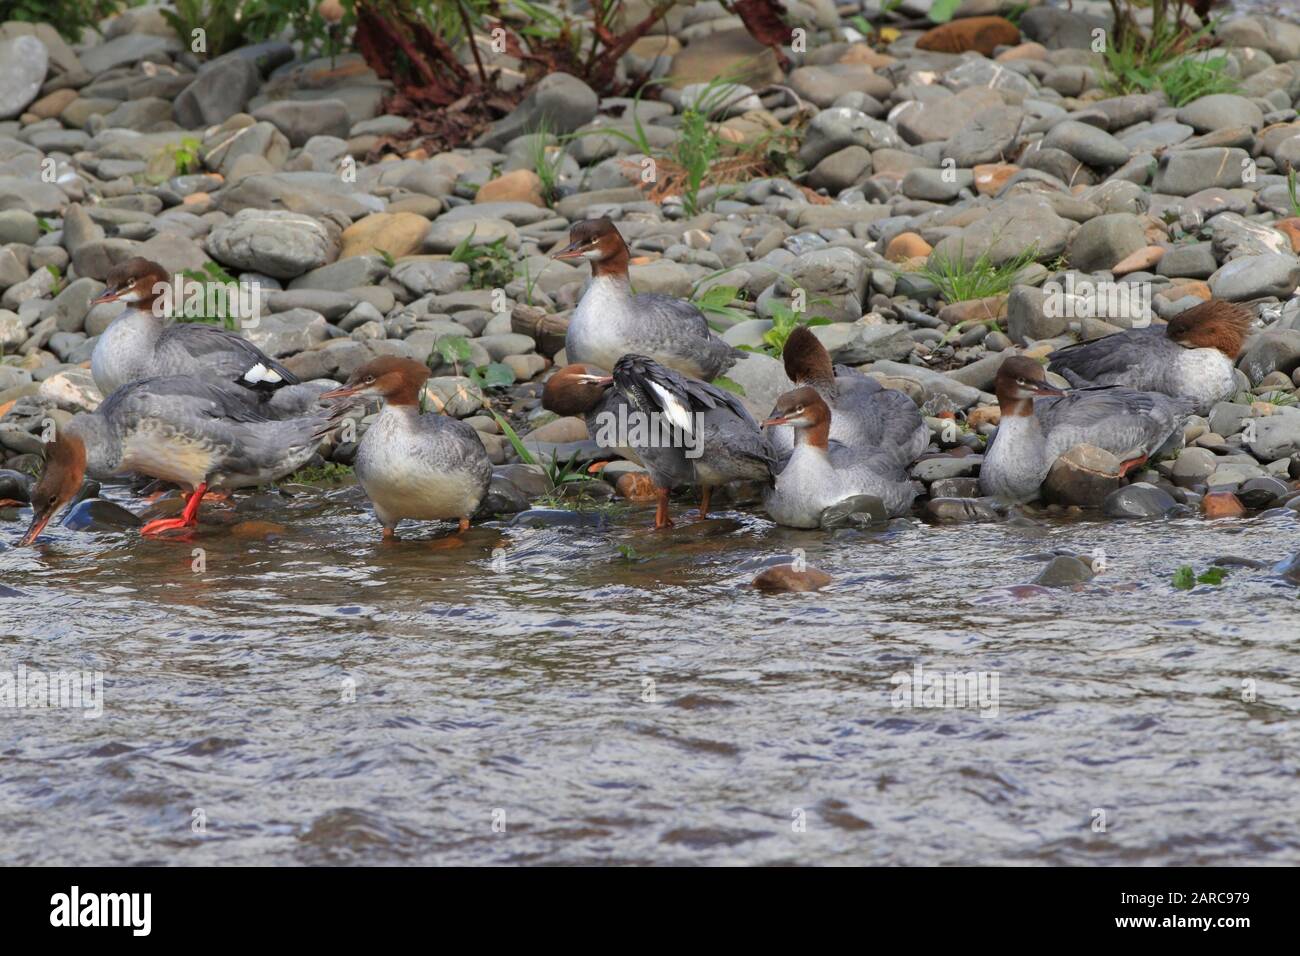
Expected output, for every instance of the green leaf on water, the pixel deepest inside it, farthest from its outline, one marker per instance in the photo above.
(1185, 578)
(1212, 576)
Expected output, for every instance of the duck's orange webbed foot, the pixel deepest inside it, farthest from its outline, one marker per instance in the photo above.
(161, 525)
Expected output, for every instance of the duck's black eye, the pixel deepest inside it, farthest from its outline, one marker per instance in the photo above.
(370, 380)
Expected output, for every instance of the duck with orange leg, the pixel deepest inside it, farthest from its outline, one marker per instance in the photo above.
(425, 467)
(1040, 422)
(693, 432)
(192, 432)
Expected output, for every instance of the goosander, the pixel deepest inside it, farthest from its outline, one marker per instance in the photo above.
(717, 440)
(138, 345)
(1041, 422)
(1191, 357)
(864, 414)
(425, 467)
(611, 321)
(822, 473)
(193, 432)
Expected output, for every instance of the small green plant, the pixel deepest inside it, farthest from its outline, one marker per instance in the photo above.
(959, 282)
(566, 472)
(185, 156)
(70, 17)
(512, 436)
(386, 256)
(330, 471)
(44, 224)
(1167, 61)
(1185, 578)
(716, 302)
(698, 145)
(58, 279)
(490, 265)
(454, 350)
(1278, 398)
(545, 165)
(1291, 192)
(784, 321)
(213, 309)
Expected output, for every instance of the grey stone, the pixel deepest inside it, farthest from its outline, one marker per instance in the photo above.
(841, 169)
(1182, 172)
(934, 121)
(1252, 277)
(988, 137)
(1195, 261)
(128, 49)
(1101, 242)
(1065, 570)
(1010, 227)
(1027, 318)
(1139, 500)
(221, 89)
(1086, 143)
(1274, 350)
(423, 276)
(280, 244)
(300, 120)
(937, 185)
(24, 62)
(834, 129)
(1221, 111)
(563, 102)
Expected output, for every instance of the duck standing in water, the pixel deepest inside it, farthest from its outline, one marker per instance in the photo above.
(611, 321)
(713, 440)
(138, 345)
(864, 414)
(424, 467)
(196, 433)
(1191, 357)
(1040, 422)
(821, 472)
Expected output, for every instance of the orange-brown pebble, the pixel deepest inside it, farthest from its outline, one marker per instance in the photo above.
(1291, 227)
(783, 577)
(861, 53)
(1025, 51)
(521, 185)
(1139, 261)
(262, 530)
(907, 245)
(1222, 504)
(983, 415)
(982, 34)
(991, 177)
(1184, 287)
(635, 486)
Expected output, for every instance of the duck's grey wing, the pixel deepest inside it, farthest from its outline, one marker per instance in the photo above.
(736, 447)
(186, 345)
(1123, 421)
(1129, 358)
(674, 326)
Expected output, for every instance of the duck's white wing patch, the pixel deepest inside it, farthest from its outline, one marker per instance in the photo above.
(259, 373)
(673, 407)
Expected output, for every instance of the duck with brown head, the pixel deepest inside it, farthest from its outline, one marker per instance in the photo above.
(138, 343)
(822, 472)
(864, 414)
(1192, 357)
(1041, 422)
(611, 321)
(193, 432)
(425, 467)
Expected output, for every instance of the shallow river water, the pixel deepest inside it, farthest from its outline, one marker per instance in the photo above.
(601, 693)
